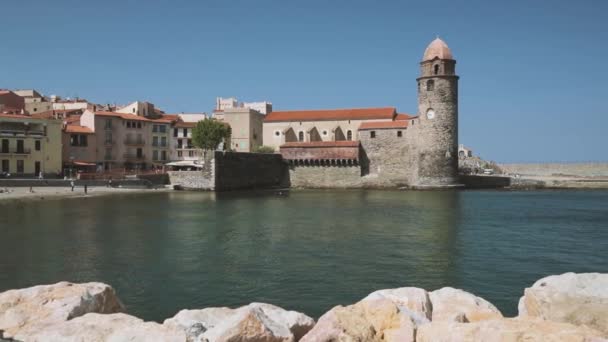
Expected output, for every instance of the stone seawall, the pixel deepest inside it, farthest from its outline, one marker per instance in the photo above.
(234, 171)
(557, 169)
(239, 170)
(568, 307)
(325, 177)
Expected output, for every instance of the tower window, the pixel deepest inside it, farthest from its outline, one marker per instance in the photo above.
(399, 134)
(301, 136)
(372, 134)
(430, 85)
(349, 135)
(436, 69)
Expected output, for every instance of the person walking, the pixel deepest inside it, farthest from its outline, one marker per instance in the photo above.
(72, 184)
(85, 189)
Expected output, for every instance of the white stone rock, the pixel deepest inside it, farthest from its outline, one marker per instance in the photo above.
(373, 320)
(257, 320)
(30, 309)
(580, 299)
(414, 299)
(506, 330)
(117, 327)
(456, 305)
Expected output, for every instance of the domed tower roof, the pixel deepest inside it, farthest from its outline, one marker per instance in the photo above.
(437, 48)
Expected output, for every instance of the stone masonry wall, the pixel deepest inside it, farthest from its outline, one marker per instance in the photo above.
(325, 177)
(389, 160)
(237, 170)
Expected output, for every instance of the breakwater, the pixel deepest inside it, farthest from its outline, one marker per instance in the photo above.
(567, 307)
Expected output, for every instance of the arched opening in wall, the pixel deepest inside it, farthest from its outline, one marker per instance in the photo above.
(430, 85)
(290, 135)
(301, 136)
(349, 135)
(338, 135)
(436, 69)
(313, 135)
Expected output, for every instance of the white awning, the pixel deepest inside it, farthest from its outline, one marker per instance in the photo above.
(185, 163)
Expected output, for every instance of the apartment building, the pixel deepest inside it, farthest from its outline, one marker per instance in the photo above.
(29, 146)
(34, 101)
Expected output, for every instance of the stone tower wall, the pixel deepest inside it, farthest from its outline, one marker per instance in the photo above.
(438, 137)
(388, 158)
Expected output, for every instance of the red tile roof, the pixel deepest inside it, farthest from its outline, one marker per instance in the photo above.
(403, 117)
(383, 124)
(342, 143)
(78, 129)
(332, 114)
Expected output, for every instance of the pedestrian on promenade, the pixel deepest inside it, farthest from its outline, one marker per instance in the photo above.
(85, 189)
(72, 184)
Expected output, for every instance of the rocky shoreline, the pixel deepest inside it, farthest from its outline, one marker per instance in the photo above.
(567, 307)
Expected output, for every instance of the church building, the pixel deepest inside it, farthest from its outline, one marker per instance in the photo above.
(377, 147)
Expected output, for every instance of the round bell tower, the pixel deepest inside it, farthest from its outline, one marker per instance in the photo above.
(438, 113)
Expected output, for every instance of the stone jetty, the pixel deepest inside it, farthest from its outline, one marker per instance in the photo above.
(567, 307)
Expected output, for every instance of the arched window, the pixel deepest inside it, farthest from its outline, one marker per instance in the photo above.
(436, 69)
(430, 85)
(349, 135)
(301, 136)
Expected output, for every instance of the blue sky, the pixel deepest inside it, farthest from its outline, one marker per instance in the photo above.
(533, 76)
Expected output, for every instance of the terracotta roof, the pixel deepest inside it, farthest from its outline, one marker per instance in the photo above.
(78, 129)
(50, 113)
(73, 118)
(403, 117)
(383, 124)
(437, 49)
(342, 143)
(332, 114)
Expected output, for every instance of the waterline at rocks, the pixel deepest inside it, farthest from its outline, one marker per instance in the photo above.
(567, 307)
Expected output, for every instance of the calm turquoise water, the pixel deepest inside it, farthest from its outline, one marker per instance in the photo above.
(307, 251)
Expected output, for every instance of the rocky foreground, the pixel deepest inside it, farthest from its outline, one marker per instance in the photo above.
(568, 307)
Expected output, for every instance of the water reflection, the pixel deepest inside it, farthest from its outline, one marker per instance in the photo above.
(303, 250)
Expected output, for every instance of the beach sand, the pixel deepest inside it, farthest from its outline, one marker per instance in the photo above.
(44, 193)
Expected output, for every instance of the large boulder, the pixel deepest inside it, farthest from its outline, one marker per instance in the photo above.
(254, 322)
(451, 304)
(506, 330)
(117, 327)
(32, 308)
(373, 320)
(580, 299)
(413, 299)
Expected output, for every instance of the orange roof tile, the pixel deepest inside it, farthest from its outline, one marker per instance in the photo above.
(403, 117)
(183, 124)
(78, 129)
(341, 143)
(332, 114)
(383, 124)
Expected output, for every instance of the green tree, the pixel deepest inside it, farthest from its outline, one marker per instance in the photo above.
(264, 149)
(208, 134)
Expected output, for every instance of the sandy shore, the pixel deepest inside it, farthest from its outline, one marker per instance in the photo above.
(43, 193)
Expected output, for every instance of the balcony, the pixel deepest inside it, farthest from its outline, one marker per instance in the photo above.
(134, 142)
(109, 142)
(17, 151)
(134, 157)
(184, 147)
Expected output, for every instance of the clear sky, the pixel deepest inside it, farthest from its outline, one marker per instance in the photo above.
(533, 85)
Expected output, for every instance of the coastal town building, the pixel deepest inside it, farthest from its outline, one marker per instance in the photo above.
(29, 146)
(34, 101)
(391, 149)
(11, 103)
(246, 125)
(464, 152)
(282, 127)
